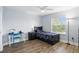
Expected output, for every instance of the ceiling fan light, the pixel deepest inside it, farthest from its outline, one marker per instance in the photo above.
(42, 11)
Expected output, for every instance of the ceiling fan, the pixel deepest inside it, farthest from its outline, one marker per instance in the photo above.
(44, 8)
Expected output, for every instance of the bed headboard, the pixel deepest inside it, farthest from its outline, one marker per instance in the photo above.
(38, 28)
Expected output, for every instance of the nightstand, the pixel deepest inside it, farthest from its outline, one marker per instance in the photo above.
(31, 35)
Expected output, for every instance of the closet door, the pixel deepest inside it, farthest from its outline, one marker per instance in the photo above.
(1, 47)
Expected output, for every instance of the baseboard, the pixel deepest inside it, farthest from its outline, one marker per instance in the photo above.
(76, 44)
(63, 41)
(12, 43)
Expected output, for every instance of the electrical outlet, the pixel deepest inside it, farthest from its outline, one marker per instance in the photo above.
(72, 38)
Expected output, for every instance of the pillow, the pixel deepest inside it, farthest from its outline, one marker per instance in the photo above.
(38, 30)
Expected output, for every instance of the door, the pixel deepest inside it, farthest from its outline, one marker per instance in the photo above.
(1, 46)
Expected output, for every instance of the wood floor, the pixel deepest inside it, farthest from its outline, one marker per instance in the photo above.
(38, 46)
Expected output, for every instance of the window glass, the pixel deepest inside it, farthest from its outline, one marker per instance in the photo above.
(58, 24)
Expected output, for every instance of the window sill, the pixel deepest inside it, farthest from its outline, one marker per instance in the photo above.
(62, 33)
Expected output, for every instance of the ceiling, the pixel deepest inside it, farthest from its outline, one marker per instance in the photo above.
(37, 11)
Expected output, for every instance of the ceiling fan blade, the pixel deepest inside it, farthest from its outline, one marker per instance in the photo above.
(49, 9)
(42, 7)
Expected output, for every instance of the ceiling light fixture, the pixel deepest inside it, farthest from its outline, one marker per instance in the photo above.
(42, 11)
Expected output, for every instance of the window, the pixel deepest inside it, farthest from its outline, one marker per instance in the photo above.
(58, 24)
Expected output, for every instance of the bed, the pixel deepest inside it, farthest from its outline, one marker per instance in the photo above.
(48, 37)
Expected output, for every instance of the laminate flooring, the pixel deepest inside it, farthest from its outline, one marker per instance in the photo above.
(38, 46)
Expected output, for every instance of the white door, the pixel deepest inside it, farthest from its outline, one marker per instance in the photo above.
(1, 46)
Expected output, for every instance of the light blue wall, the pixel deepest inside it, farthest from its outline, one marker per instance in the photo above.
(46, 23)
(19, 20)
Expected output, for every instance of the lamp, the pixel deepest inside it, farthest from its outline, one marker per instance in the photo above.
(42, 11)
(68, 32)
(69, 20)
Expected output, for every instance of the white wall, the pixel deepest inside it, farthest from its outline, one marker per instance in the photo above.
(19, 20)
(73, 26)
(1, 46)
